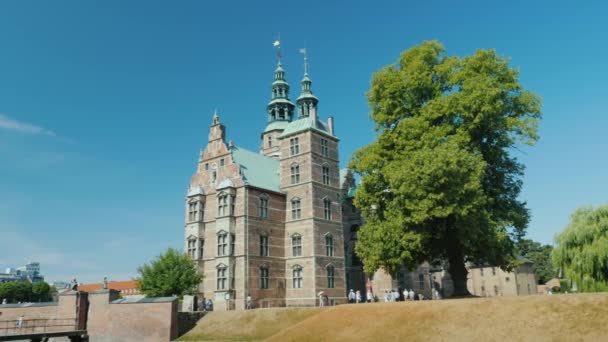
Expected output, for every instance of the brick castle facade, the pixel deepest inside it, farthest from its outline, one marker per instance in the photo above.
(277, 225)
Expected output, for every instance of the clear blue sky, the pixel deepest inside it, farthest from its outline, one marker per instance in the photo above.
(105, 104)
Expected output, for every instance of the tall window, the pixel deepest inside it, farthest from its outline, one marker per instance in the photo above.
(206, 166)
(269, 141)
(192, 210)
(222, 162)
(295, 174)
(201, 248)
(329, 245)
(296, 245)
(232, 238)
(297, 277)
(324, 148)
(222, 205)
(330, 277)
(264, 245)
(214, 176)
(421, 280)
(296, 210)
(327, 208)
(232, 202)
(264, 277)
(222, 278)
(263, 206)
(222, 244)
(325, 174)
(294, 146)
(192, 248)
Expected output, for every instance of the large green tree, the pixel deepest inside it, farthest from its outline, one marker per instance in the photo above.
(541, 256)
(41, 292)
(581, 249)
(441, 181)
(171, 274)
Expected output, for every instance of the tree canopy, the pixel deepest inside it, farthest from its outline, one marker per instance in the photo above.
(170, 274)
(441, 181)
(581, 249)
(24, 291)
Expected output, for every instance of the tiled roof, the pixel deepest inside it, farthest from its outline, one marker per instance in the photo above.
(114, 285)
(303, 124)
(257, 170)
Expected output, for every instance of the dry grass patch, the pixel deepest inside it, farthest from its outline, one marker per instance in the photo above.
(251, 325)
(581, 317)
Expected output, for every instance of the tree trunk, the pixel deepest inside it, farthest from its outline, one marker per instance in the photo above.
(458, 271)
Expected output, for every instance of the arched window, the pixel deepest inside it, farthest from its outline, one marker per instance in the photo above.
(296, 210)
(296, 245)
(298, 278)
(327, 208)
(263, 206)
(263, 277)
(329, 244)
(330, 276)
(295, 173)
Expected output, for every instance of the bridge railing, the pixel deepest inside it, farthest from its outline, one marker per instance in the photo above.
(36, 325)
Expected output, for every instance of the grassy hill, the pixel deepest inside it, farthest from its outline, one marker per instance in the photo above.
(581, 317)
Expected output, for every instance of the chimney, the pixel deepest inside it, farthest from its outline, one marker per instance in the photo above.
(330, 123)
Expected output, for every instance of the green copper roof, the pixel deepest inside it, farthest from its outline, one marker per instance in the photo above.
(303, 124)
(276, 125)
(257, 170)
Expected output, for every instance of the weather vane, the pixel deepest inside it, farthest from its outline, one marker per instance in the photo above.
(277, 44)
(303, 51)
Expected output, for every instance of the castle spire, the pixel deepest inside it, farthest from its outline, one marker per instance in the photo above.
(280, 107)
(307, 101)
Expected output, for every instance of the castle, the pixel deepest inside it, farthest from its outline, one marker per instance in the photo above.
(277, 225)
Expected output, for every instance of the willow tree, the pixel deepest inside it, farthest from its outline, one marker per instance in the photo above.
(441, 180)
(581, 249)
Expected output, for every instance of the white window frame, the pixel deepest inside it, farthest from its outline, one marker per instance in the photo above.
(296, 245)
(297, 277)
(327, 212)
(295, 173)
(296, 209)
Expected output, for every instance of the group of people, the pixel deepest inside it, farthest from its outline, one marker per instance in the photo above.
(357, 297)
(395, 296)
(206, 305)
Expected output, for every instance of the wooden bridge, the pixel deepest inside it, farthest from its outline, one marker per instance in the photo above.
(41, 329)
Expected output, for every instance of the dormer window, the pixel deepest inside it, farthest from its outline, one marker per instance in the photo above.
(222, 163)
(270, 141)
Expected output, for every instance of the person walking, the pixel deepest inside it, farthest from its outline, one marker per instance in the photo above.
(412, 294)
(249, 303)
(386, 297)
(405, 294)
(351, 296)
(395, 296)
(322, 299)
(368, 296)
(358, 297)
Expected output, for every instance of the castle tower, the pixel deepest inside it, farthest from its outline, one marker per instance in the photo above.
(280, 113)
(309, 167)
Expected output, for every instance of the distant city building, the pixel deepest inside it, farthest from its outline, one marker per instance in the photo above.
(127, 288)
(29, 272)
